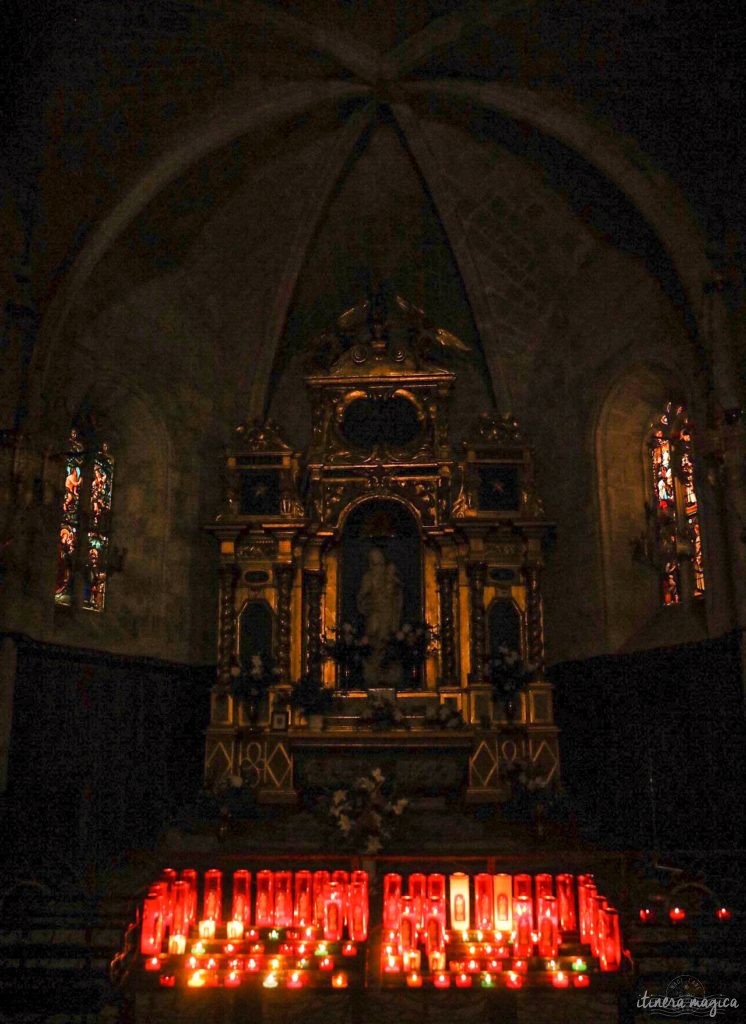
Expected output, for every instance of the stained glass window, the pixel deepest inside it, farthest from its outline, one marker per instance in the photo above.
(70, 521)
(86, 511)
(677, 528)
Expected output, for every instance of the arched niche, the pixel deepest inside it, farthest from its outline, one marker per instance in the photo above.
(504, 626)
(389, 526)
(256, 633)
(633, 614)
(143, 600)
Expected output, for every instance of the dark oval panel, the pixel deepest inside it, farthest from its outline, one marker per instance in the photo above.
(501, 575)
(390, 421)
(256, 576)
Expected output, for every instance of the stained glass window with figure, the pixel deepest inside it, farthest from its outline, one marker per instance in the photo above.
(86, 511)
(678, 535)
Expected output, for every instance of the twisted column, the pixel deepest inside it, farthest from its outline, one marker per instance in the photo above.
(534, 618)
(226, 623)
(284, 577)
(446, 584)
(477, 572)
(313, 585)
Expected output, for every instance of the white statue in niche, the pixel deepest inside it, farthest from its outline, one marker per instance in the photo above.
(380, 600)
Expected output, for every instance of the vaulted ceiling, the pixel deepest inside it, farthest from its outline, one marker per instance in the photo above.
(214, 181)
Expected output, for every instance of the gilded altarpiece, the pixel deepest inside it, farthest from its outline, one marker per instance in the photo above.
(381, 528)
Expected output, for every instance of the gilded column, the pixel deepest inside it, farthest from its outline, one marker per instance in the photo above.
(284, 577)
(226, 623)
(446, 584)
(313, 585)
(477, 572)
(535, 626)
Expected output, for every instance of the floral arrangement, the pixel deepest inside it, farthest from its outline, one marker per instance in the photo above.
(251, 683)
(349, 651)
(508, 674)
(445, 717)
(532, 799)
(409, 647)
(525, 777)
(364, 814)
(310, 696)
(382, 713)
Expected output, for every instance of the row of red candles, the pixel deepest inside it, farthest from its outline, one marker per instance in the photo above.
(322, 899)
(329, 901)
(534, 914)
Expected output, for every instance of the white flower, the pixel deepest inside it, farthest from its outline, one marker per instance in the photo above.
(373, 844)
(378, 775)
(366, 784)
(235, 781)
(400, 805)
(344, 823)
(339, 795)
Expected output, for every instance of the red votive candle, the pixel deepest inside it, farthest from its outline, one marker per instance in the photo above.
(611, 943)
(241, 903)
(303, 902)
(320, 881)
(189, 875)
(436, 890)
(417, 889)
(357, 921)
(524, 943)
(151, 930)
(213, 898)
(723, 914)
(265, 900)
(677, 915)
(180, 913)
(598, 906)
(483, 902)
(586, 889)
(548, 931)
(333, 911)
(391, 901)
(283, 899)
(407, 925)
(566, 903)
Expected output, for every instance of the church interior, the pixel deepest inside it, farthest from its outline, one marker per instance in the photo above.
(372, 512)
